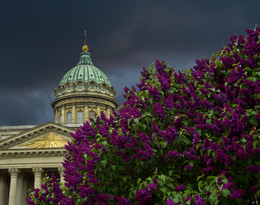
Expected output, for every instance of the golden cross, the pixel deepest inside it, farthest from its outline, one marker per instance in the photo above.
(85, 37)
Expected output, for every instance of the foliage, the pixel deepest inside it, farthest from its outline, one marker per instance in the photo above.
(188, 137)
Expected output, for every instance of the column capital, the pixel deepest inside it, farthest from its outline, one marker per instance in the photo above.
(37, 171)
(14, 172)
(61, 169)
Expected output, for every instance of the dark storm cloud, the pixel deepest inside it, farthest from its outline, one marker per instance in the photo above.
(41, 40)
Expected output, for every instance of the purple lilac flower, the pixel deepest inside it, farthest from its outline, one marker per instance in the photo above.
(229, 161)
(210, 163)
(206, 143)
(145, 73)
(188, 167)
(168, 102)
(170, 134)
(174, 154)
(144, 138)
(230, 148)
(122, 200)
(165, 83)
(254, 189)
(199, 200)
(220, 156)
(191, 154)
(143, 195)
(102, 198)
(242, 154)
(169, 202)
(207, 170)
(159, 111)
(252, 169)
(256, 151)
(154, 92)
(237, 193)
(238, 146)
(180, 187)
(160, 66)
(228, 186)
(187, 199)
(152, 187)
(154, 127)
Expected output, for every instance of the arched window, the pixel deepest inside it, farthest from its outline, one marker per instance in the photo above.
(69, 117)
(91, 114)
(80, 117)
(92, 86)
(79, 86)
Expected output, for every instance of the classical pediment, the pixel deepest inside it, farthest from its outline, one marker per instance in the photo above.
(45, 136)
(47, 140)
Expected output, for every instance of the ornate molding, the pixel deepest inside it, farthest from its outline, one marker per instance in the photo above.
(37, 171)
(21, 153)
(61, 170)
(14, 172)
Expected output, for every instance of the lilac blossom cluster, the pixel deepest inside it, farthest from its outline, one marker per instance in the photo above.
(172, 135)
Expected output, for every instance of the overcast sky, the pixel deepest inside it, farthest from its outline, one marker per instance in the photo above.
(41, 40)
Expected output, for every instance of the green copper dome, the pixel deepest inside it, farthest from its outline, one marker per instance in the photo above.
(86, 72)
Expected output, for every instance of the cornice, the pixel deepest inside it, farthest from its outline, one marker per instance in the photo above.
(84, 95)
(25, 153)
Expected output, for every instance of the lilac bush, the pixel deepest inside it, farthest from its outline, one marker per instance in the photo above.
(189, 137)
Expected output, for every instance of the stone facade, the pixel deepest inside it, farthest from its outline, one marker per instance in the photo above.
(26, 157)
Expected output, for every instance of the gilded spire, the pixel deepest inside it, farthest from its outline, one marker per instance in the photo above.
(85, 47)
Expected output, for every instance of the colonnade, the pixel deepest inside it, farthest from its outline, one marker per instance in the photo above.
(18, 185)
(60, 113)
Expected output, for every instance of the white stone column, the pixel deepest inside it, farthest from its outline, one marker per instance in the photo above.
(19, 189)
(61, 171)
(73, 114)
(107, 113)
(37, 177)
(13, 184)
(63, 114)
(25, 189)
(86, 114)
(56, 114)
(2, 189)
(98, 109)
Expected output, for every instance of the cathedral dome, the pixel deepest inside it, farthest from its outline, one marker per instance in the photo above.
(82, 92)
(85, 72)
(85, 77)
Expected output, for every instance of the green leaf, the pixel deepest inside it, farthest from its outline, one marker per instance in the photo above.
(253, 121)
(226, 193)
(199, 177)
(104, 143)
(225, 181)
(171, 185)
(163, 190)
(210, 151)
(136, 120)
(163, 178)
(255, 143)
(201, 184)
(138, 181)
(104, 163)
(213, 198)
(163, 144)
